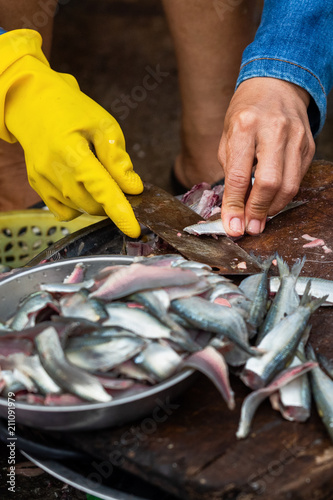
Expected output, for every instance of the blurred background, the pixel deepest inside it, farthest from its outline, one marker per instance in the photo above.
(110, 46)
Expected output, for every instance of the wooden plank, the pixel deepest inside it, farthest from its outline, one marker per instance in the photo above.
(194, 454)
(284, 233)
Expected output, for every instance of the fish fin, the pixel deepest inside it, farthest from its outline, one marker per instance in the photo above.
(283, 266)
(307, 301)
(264, 264)
(297, 267)
(306, 298)
(310, 354)
(300, 352)
(315, 304)
(305, 336)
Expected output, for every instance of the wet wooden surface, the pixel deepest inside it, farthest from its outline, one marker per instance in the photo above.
(190, 449)
(284, 233)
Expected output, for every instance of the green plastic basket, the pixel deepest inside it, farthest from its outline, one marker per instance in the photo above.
(25, 233)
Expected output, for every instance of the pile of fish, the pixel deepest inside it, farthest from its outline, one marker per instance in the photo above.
(132, 326)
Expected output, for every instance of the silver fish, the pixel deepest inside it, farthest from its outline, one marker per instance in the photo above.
(216, 319)
(130, 369)
(33, 303)
(192, 264)
(223, 290)
(157, 302)
(212, 364)
(215, 227)
(250, 285)
(294, 399)
(143, 324)
(207, 227)
(67, 287)
(280, 344)
(15, 381)
(98, 336)
(158, 359)
(253, 400)
(259, 297)
(137, 277)
(32, 367)
(322, 388)
(232, 354)
(136, 320)
(177, 292)
(286, 300)
(81, 305)
(77, 274)
(319, 287)
(104, 273)
(66, 375)
(4, 329)
(105, 356)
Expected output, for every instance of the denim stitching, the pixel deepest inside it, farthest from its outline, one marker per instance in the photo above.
(288, 62)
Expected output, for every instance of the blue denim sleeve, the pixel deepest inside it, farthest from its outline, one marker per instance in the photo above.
(2, 31)
(294, 42)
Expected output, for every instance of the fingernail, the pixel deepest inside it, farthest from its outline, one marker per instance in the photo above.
(236, 225)
(254, 226)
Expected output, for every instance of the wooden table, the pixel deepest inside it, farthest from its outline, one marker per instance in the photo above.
(190, 449)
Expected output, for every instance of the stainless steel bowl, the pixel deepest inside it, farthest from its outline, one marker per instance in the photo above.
(90, 415)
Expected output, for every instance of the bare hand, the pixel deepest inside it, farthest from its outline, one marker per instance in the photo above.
(266, 122)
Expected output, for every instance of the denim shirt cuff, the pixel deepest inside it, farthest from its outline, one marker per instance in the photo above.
(2, 31)
(294, 73)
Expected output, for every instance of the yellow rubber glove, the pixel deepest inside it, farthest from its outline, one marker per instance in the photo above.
(75, 151)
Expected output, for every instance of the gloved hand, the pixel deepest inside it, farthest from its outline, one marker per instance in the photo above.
(75, 151)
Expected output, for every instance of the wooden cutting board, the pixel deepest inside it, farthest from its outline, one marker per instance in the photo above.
(284, 233)
(193, 453)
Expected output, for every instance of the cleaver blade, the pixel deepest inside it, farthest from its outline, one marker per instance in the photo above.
(166, 216)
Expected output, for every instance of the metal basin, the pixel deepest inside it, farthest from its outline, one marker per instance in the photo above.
(90, 415)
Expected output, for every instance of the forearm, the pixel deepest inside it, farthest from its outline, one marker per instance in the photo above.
(34, 14)
(295, 43)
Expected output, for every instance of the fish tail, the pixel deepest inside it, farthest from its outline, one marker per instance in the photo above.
(267, 263)
(297, 267)
(307, 301)
(264, 264)
(283, 266)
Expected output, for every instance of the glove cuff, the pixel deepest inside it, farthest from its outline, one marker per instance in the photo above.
(14, 45)
(19, 43)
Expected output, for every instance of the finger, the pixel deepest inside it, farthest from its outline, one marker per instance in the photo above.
(110, 150)
(236, 155)
(299, 154)
(268, 180)
(104, 190)
(290, 183)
